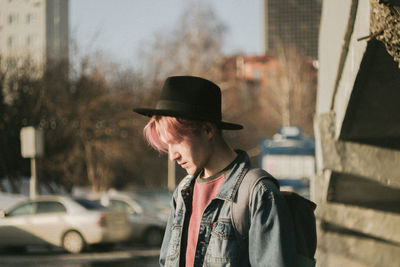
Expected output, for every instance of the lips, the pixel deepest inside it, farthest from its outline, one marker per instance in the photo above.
(183, 164)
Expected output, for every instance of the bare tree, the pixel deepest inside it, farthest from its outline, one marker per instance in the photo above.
(96, 118)
(192, 48)
(296, 84)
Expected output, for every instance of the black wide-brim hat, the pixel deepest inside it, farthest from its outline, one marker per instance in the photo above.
(190, 97)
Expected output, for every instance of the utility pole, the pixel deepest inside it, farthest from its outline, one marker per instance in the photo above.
(171, 175)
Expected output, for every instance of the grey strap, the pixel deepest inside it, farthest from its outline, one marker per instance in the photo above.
(240, 207)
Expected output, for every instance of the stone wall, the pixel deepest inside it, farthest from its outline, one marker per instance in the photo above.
(357, 131)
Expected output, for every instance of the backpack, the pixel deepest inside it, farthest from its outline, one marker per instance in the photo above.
(301, 209)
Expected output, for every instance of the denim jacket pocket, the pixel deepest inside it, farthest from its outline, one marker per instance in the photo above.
(174, 244)
(223, 247)
(176, 235)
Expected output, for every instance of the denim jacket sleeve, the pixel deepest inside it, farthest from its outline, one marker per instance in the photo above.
(168, 230)
(271, 234)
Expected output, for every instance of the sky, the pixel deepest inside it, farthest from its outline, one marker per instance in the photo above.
(119, 28)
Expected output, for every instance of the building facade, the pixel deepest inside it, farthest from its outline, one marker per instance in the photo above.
(292, 23)
(33, 32)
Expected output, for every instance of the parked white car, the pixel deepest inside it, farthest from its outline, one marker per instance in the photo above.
(70, 223)
(147, 221)
(161, 198)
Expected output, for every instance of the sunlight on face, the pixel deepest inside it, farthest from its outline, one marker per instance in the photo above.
(191, 153)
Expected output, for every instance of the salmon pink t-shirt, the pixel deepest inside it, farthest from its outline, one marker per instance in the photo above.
(204, 191)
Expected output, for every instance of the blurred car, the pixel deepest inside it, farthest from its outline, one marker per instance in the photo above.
(161, 198)
(70, 223)
(147, 221)
(7, 200)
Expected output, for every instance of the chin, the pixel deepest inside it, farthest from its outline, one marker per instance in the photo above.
(191, 171)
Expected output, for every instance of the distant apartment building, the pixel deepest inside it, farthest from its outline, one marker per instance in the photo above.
(253, 69)
(257, 74)
(292, 23)
(33, 32)
(250, 82)
(275, 95)
(260, 68)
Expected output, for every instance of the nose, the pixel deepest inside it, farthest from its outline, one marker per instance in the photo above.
(173, 153)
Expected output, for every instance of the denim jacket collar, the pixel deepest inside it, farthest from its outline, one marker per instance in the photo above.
(233, 178)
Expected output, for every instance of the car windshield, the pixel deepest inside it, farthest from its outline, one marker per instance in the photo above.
(89, 204)
(146, 205)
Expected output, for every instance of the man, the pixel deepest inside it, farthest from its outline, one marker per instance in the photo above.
(187, 124)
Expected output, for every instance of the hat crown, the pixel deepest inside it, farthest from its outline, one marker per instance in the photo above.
(195, 93)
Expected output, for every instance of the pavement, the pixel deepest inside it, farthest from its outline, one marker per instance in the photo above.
(127, 257)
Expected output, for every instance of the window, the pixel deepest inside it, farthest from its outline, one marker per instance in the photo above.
(29, 41)
(50, 207)
(12, 19)
(23, 209)
(145, 205)
(89, 204)
(10, 41)
(29, 18)
(121, 206)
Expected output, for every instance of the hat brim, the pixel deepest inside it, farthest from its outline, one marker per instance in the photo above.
(178, 114)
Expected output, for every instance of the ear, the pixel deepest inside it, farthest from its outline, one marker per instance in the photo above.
(209, 130)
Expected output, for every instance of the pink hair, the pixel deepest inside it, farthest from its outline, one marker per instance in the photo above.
(170, 128)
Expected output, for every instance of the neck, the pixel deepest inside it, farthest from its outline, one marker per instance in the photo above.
(221, 157)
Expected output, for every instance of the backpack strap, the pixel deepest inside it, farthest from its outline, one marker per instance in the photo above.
(302, 211)
(240, 207)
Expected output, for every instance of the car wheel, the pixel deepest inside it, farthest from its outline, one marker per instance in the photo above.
(153, 237)
(73, 242)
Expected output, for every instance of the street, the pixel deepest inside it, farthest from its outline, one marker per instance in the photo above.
(121, 256)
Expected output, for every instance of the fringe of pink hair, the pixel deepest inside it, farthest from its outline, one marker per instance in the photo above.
(168, 128)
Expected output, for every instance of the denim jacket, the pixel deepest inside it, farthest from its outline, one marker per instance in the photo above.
(270, 237)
